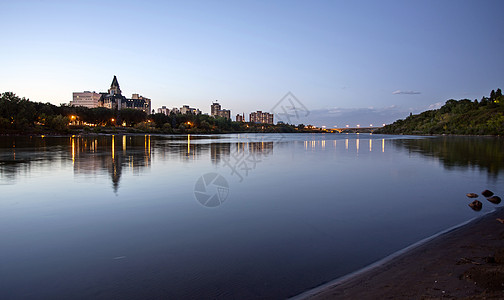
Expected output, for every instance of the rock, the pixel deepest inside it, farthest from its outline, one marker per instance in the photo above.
(494, 199)
(499, 256)
(487, 193)
(472, 195)
(476, 205)
(490, 260)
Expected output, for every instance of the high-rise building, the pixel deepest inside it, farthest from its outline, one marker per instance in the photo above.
(240, 118)
(225, 113)
(217, 111)
(214, 109)
(261, 117)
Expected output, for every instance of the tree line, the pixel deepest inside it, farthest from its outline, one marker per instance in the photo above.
(20, 115)
(460, 117)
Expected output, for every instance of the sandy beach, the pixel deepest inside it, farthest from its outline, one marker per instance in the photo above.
(465, 263)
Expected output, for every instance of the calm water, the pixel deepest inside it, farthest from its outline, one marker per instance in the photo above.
(227, 216)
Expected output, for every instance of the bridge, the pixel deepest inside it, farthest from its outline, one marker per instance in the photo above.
(353, 129)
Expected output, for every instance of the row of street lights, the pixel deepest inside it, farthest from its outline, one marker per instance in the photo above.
(348, 126)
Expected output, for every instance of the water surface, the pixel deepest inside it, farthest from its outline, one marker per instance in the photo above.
(225, 216)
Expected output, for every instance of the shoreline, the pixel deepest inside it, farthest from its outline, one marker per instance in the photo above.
(125, 132)
(463, 261)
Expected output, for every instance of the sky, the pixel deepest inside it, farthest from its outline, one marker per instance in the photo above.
(344, 62)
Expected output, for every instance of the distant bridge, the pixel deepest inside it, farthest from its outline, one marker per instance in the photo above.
(353, 129)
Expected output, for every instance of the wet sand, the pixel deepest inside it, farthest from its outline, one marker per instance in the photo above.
(466, 263)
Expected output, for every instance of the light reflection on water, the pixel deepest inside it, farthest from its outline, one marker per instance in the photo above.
(117, 216)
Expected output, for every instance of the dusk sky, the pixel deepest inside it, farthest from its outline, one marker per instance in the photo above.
(348, 62)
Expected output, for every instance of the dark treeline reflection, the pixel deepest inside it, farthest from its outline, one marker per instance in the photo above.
(20, 154)
(95, 155)
(486, 153)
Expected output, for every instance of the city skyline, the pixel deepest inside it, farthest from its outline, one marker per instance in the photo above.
(108, 100)
(348, 63)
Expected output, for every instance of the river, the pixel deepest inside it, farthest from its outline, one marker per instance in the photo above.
(241, 216)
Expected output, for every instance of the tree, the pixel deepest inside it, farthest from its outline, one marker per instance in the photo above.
(58, 123)
(160, 119)
(100, 115)
(132, 116)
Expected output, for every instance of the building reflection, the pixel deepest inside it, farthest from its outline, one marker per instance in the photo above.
(219, 150)
(244, 158)
(94, 156)
(261, 148)
(113, 154)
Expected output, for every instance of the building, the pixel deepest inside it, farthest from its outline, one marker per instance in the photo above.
(261, 117)
(163, 110)
(113, 99)
(86, 99)
(185, 109)
(138, 104)
(240, 118)
(224, 113)
(217, 111)
(214, 109)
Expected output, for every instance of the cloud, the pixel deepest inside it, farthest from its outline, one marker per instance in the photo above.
(399, 92)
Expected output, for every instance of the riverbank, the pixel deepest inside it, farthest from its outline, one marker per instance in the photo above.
(130, 130)
(466, 263)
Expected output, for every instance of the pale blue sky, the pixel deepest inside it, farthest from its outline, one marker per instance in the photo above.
(342, 59)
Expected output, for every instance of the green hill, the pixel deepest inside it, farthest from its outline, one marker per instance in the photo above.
(461, 117)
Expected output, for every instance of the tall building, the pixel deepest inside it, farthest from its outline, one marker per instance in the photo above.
(86, 99)
(214, 109)
(217, 111)
(261, 117)
(225, 113)
(240, 118)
